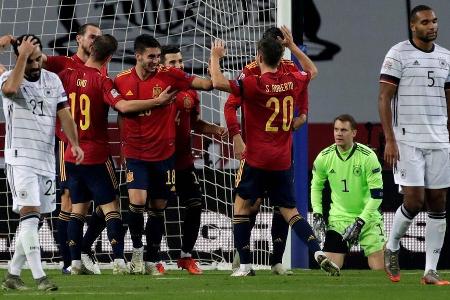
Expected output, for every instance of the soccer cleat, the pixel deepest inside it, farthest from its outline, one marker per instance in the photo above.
(432, 277)
(242, 273)
(391, 265)
(327, 265)
(66, 271)
(119, 267)
(137, 261)
(13, 282)
(236, 261)
(190, 265)
(154, 269)
(44, 284)
(279, 269)
(90, 264)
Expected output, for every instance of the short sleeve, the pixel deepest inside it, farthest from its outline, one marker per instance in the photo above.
(110, 95)
(391, 70)
(180, 80)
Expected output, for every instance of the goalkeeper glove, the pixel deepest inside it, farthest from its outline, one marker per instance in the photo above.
(319, 227)
(351, 233)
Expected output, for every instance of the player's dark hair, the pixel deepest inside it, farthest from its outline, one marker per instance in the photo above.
(346, 118)
(103, 47)
(168, 49)
(271, 51)
(83, 28)
(415, 10)
(145, 41)
(273, 33)
(19, 40)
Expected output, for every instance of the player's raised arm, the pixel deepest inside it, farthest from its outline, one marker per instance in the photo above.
(306, 63)
(218, 79)
(27, 58)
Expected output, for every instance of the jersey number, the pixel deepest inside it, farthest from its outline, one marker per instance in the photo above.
(85, 105)
(170, 177)
(288, 113)
(51, 187)
(345, 190)
(38, 107)
(430, 77)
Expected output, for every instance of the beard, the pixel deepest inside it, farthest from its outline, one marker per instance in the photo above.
(427, 38)
(33, 75)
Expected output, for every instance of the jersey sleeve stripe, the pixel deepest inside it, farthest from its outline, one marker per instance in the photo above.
(389, 79)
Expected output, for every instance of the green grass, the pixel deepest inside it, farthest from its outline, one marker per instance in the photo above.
(305, 285)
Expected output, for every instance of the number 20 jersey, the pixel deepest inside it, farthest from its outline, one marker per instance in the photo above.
(30, 122)
(269, 101)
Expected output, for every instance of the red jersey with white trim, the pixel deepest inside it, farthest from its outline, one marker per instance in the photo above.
(234, 102)
(150, 135)
(188, 110)
(90, 95)
(59, 63)
(268, 103)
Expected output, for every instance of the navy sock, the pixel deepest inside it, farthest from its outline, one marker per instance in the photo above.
(279, 231)
(95, 227)
(115, 233)
(252, 219)
(304, 232)
(154, 231)
(191, 224)
(63, 222)
(136, 223)
(242, 231)
(75, 235)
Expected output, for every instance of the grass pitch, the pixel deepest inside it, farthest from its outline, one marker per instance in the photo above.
(304, 284)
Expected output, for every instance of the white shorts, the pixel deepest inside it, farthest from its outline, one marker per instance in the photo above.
(429, 168)
(31, 189)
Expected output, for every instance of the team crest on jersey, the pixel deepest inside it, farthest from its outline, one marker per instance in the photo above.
(23, 194)
(187, 102)
(357, 170)
(48, 92)
(442, 62)
(156, 91)
(403, 173)
(130, 177)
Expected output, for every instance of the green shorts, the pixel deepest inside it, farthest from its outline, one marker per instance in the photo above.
(372, 236)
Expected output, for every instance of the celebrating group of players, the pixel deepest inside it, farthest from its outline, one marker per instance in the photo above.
(158, 107)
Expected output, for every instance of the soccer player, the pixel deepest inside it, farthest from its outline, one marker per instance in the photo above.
(90, 95)
(413, 106)
(268, 102)
(354, 174)
(86, 35)
(280, 228)
(149, 147)
(187, 185)
(32, 98)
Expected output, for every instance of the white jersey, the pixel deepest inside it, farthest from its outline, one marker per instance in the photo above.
(30, 122)
(419, 107)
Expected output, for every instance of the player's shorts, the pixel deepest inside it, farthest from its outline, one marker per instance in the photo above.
(92, 182)
(371, 239)
(157, 177)
(61, 176)
(429, 168)
(187, 184)
(253, 183)
(31, 189)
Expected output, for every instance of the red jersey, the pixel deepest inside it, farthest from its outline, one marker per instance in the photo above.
(90, 95)
(57, 64)
(188, 110)
(234, 102)
(269, 101)
(150, 135)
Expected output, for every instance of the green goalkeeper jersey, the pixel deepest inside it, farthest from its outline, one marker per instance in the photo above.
(355, 181)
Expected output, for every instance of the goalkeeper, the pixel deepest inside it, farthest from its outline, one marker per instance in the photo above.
(354, 175)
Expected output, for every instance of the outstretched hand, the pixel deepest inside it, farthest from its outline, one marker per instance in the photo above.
(218, 48)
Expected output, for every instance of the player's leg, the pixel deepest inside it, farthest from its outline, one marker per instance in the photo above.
(95, 226)
(334, 247)
(189, 192)
(137, 183)
(371, 240)
(279, 234)
(409, 174)
(162, 188)
(104, 192)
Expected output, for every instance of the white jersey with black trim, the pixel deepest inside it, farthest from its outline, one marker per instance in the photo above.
(419, 108)
(30, 122)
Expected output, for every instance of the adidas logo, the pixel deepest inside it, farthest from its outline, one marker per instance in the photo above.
(332, 171)
(129, 93)
(416, 63)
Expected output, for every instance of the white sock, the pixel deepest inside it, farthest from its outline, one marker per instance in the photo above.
(245, 267)
(30, 241)
(400, 225)
(18, 259)
(317, 253)
(185, 254)
(434, 239)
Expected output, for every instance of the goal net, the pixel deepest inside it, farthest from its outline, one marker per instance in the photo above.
(192, 25)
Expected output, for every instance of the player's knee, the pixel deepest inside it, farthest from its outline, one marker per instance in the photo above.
(158, 204)
(80, 208)
(66, 203)
(109, 207)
